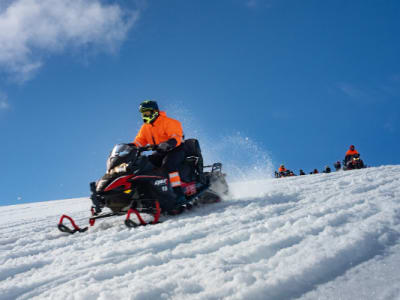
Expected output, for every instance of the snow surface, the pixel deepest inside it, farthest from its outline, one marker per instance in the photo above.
(324, 236)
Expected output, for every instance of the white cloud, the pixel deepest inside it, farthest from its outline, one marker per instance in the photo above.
(31, 29)
(3, 101)
(251, 3)
(3, 104)
(352, 91)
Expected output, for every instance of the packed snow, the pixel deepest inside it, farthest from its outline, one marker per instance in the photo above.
(323, 236)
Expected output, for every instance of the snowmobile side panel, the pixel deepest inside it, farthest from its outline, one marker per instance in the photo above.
(120, 181)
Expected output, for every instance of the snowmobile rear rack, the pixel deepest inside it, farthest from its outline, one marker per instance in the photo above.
(216, 167)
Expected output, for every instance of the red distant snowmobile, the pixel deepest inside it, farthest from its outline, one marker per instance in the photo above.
(354, 162)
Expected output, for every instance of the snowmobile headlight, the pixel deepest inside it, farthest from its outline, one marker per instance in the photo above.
(127, 191)
(119, 169)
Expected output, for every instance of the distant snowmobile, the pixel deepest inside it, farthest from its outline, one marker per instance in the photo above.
(286, 173)
(132, 185)
(354, 162)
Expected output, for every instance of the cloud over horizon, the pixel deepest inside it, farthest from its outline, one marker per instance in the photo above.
(3, 101)
(32, 29)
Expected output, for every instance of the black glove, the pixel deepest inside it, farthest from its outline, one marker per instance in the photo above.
(164, 147)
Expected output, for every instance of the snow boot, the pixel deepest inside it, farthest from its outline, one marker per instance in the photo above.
(180, 196)
(180, 200)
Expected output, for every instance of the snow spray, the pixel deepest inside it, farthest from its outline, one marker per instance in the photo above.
(242, 158)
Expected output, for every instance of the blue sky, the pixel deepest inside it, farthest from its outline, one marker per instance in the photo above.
(301, 80)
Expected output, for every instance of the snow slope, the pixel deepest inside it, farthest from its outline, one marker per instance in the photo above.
(325, 236)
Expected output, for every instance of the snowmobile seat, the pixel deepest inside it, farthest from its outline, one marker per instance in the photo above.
(193, 157)
(193, 153)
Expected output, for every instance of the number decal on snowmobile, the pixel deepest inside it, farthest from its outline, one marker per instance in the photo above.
(161, 182)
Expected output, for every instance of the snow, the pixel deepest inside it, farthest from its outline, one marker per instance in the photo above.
(323, 236)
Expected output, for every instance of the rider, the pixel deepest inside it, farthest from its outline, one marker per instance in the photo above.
(337, 165)
(165, 133)
(327, 169)
(350, 153)
(282, 169)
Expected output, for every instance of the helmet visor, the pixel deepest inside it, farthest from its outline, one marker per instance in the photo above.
(148, 115)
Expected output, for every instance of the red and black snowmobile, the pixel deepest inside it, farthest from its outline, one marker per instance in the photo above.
(286, 173)
(133, 186)
(353, 162)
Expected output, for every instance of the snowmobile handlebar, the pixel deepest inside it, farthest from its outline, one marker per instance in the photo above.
(153, 148)
(148, 148)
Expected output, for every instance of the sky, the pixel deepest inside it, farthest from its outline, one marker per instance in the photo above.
(292, 82)
(325, 236)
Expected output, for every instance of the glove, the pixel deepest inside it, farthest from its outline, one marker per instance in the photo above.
(164, 147)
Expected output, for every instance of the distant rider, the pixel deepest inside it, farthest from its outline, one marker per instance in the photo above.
(337, 165)
(167, 134)
(282, 171)
(350, 154)
(327, 169)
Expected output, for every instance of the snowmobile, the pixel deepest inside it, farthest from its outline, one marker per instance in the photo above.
(286, 173)
(354, 162)
(337, 165)
(133, 186)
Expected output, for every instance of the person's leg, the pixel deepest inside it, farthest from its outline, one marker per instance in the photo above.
(171, 162)
(156, 159)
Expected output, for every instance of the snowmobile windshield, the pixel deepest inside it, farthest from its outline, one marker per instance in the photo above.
(121, 153)
(121, 150)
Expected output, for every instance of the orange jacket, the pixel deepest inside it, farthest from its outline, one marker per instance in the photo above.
(351, 152)
(161, 130)
(282, 169)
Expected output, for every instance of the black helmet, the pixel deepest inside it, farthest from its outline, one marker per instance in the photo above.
(149, 110)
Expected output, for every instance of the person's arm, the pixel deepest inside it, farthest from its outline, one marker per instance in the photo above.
(140, 140)
(175, 133)
(168, 145)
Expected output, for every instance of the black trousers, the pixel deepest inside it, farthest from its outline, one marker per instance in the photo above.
(170, 161)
